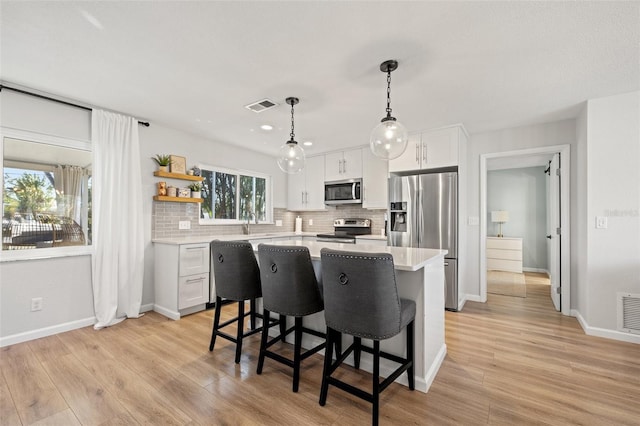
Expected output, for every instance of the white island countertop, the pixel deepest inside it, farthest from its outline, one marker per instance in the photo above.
(196, 239)
(404, 258)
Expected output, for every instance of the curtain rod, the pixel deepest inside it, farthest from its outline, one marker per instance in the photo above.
(2, 86)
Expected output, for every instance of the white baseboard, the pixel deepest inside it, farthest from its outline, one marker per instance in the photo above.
(539, 270)
(462, 301)
(46, 331)
(167, 312)
(604, 332)
(146, 308)
(473, 298)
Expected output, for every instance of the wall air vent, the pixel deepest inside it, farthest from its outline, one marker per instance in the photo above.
(629, 312)
(261, 106)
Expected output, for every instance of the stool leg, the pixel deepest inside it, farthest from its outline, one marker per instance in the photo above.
(338, 343)
(327, 367)
(411, 355)
(240, 330)
(376, 382)
(283, 327)
(297, 345)
(252, 315)
(263, 340)
(357, 351)
(216, 323)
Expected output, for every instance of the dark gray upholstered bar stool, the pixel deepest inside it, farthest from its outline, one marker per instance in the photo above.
(237, 278)
(361, 300)
(289, 288)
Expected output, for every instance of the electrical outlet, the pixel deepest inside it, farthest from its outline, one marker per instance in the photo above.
(184, 224)
(278, 222)
(601, 222)
(310, 222)
(474, 221)
(36, 304)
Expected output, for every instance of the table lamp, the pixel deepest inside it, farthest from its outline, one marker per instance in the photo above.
(500, 216)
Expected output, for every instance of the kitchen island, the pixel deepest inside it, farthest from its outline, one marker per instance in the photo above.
(419, 277)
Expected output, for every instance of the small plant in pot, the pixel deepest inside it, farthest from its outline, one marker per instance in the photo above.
(163, 161)
(195, 190)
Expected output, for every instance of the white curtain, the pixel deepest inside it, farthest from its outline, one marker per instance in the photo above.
(68, 185)
(118, 239)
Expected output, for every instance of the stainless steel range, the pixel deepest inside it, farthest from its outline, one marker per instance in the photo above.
(345, 230)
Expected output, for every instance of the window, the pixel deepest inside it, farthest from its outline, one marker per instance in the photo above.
(46, 192)
(233, 196)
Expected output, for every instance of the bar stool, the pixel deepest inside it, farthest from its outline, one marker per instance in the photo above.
(361, 300)
(237, 278)
(289, 288)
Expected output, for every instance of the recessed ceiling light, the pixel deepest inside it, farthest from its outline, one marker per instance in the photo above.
(266, 127)
(307, 143)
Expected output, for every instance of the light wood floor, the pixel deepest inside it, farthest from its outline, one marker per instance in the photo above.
(511, 361)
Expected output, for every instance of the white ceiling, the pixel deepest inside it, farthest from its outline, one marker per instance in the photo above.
(194, 65)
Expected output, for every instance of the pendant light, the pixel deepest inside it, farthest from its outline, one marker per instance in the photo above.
(389, 138)
(291, 156)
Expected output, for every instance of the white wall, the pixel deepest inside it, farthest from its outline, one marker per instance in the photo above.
(613, 183)
(65, 283)
(157, 139)
(521, 192)
(548, 134)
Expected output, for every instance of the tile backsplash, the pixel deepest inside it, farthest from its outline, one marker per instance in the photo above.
(166, 216)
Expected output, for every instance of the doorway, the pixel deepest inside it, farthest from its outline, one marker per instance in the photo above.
(561, 255)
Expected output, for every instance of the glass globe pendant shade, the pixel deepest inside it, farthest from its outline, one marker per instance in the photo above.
(389, 139)
(291, 158)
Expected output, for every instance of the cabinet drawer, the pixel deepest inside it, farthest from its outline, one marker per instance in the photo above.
(504, 265)
(504, 254)
(193, 290)
(194, 259)
(504, 243)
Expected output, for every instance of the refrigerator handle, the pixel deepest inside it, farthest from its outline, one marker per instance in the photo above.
(417, 152)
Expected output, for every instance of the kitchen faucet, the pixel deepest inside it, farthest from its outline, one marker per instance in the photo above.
(247, 227)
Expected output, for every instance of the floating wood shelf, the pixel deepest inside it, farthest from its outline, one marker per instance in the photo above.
(178, 176)
(177, 199)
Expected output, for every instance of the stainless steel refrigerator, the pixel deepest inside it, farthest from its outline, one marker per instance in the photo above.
(423, 212)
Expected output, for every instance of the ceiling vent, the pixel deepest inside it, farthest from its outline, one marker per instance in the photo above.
(261, 106)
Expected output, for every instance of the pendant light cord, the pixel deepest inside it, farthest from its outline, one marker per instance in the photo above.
(292, 133)
(389, 94)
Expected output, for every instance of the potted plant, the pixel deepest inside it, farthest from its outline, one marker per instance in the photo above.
(195, 190)
(163, 161)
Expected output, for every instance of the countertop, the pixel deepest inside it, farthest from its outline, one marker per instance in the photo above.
(404, 258)
(195, 239)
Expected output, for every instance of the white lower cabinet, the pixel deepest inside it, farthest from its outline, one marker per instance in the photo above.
(181, 279)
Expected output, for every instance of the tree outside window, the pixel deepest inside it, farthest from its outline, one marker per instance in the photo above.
(230, 196)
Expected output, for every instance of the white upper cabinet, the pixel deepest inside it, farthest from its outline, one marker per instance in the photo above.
(410, 158)
(343, 165)
(375, 174)
(430, 150)
(306, 189)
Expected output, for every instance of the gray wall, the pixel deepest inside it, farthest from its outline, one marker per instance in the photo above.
(547, 134)
(523, 193)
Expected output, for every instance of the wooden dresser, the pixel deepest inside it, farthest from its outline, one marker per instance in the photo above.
(504, 254)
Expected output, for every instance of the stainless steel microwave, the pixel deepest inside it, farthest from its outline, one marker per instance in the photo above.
(343, 192)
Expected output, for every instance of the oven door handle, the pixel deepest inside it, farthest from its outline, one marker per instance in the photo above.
(337, 240)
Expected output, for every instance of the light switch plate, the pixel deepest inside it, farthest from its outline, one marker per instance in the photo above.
(601, 222)
(474, 221)
(184, 224)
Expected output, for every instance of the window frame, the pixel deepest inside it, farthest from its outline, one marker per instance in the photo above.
(48, 252)
(238, 173)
